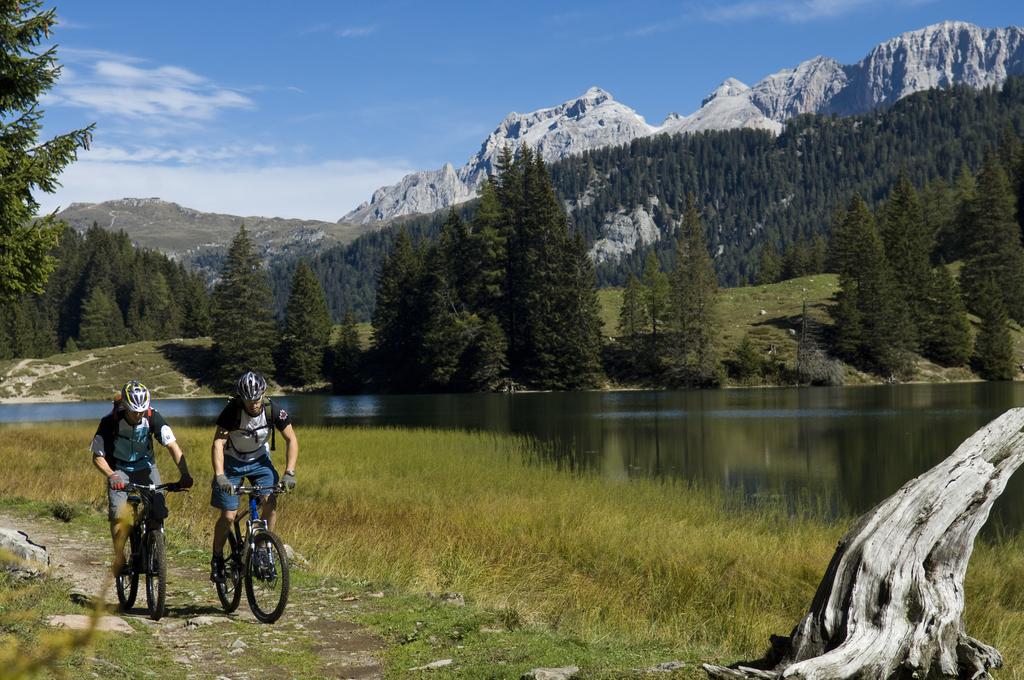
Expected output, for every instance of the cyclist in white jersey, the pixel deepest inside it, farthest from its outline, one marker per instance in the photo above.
(123, 451)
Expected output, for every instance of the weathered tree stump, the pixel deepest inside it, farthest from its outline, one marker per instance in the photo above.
(891, 602)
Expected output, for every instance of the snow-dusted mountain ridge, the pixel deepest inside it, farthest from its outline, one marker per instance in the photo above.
(940, 55)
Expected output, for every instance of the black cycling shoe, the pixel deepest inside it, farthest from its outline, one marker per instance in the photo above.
(217, 574)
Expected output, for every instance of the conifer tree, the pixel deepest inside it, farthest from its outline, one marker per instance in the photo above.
(769, 268)
(485, 360)
(6, 348)
(946, 338)
(306, 332)
(580, 329)
(656, 290)
(993, 348)
(632, 319)
(965, 193)
(908, 247)
(553, 327)
(102, 324)
(243, 328)
(26, 165)
(693, 355)
(160, 312)
(872, 325)
(995, 247)
(817, 255)
(795, 261)
(747, 360)
(398, 315)
(488, 250)
(346, 358)
(446, 331)
(195, 321)
(940, 216)
(460, 262)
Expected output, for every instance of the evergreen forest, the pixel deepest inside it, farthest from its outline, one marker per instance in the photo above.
(751, 188)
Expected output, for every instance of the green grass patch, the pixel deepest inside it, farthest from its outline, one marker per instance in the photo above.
(173, 368)
(619, 572)
(27, 639)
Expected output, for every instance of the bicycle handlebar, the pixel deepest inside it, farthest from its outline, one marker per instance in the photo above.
(239, 489)
(169, 487)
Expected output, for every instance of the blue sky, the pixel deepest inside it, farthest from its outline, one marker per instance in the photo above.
(302, 109)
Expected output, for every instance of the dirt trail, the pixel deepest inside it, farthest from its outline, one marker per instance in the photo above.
(317, 621)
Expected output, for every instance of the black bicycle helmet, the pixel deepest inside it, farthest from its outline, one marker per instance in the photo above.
(252, 386)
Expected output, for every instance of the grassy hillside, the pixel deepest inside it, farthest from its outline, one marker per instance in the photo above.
(171, 368)
(770, 314)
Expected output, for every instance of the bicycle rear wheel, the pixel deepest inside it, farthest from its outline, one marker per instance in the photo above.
(230, 591)
(156, 574)
(266, 577)
(127, 580)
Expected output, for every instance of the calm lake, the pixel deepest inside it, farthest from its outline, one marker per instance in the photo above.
(841, 450)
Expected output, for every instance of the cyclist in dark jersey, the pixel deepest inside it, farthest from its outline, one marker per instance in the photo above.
(241, 451)
(123, 450)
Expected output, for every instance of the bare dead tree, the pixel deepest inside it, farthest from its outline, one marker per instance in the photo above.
(891, 602)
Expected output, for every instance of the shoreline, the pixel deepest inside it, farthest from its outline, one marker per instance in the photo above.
(30, 400)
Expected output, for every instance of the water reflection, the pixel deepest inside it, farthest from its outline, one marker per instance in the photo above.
(839, 449)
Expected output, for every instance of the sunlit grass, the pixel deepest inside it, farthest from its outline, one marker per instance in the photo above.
(654, 562)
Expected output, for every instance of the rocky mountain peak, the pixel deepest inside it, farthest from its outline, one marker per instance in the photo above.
(730, 87)
(939, 55)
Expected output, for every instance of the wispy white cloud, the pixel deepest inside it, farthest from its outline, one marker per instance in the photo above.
(63, 23)
(651, 29)
(324, 191)
(795, 11)
(356, 31)
(186, 156)
(89, 54)
(165, 94)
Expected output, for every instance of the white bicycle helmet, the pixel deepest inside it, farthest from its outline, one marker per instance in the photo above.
(135, 396)
(252, 386)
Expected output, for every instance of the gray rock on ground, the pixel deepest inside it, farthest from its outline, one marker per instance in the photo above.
(21, 556)
(295, 558)
(440, 663)
(197, 621)
(455, 599)
(81, 596)
(551, 673)
(667, 667)
(105, 624)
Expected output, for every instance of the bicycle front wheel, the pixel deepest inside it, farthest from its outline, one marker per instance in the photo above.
(156, 574)
(127, 580)
(266, 577)
(230, 591)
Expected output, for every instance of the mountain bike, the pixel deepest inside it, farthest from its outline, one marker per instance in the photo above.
(258, 558)
(143, 550)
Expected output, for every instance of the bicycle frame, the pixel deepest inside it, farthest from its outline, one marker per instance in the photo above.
(147, 552)
(253, 524)
(249, 563)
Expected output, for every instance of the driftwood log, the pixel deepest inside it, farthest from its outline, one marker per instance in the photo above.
(891, 602)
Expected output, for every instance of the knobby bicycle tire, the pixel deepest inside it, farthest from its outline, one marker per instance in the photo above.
(156, 574)
(267, 612)
(127, 584)
(230, 591)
